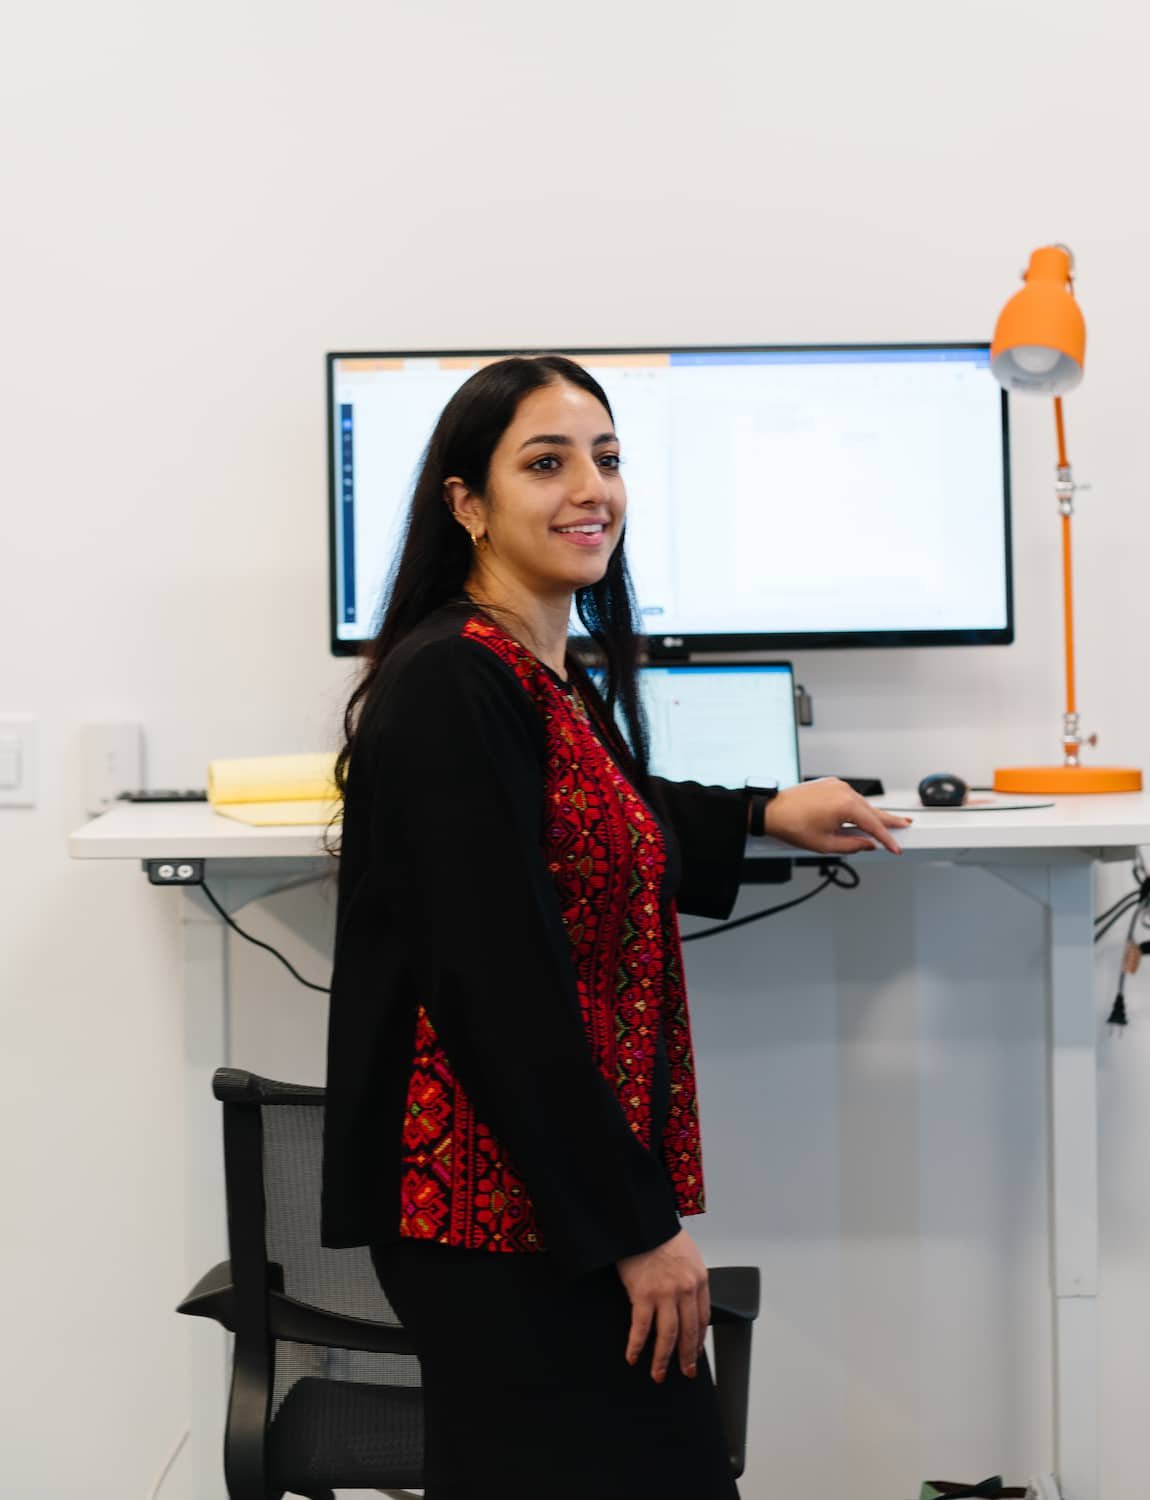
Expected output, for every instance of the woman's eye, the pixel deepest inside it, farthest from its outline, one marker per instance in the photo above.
(549, 463)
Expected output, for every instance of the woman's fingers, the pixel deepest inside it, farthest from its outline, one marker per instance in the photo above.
(688, 1333)
(893, 820)
(667, 1334)
(845, 843)
(641, 1314)
(704, 1315)
(870, 820)
(681, 1323)
(676, 1323)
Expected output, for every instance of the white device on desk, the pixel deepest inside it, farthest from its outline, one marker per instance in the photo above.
(724, 726)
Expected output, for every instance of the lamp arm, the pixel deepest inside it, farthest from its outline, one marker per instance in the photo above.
(1060, 425)
(1064, 489)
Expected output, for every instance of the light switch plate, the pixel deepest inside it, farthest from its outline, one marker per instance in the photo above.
(18, 761)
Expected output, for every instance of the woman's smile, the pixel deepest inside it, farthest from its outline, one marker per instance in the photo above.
(583, 533)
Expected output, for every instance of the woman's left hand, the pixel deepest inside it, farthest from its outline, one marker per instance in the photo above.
(812, 816)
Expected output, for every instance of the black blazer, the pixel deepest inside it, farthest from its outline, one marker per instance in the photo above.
(445, 900)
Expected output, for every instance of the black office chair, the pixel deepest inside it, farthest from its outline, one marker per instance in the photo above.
(325, 1383)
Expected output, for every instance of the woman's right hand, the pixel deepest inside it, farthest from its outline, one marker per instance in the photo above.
(668, 1289)
(830, 817)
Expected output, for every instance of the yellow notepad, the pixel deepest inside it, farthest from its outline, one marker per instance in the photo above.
(275, 790)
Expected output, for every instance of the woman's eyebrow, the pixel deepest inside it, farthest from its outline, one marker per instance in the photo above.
(558, 439)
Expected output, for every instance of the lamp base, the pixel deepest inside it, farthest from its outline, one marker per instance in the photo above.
(1063, 781)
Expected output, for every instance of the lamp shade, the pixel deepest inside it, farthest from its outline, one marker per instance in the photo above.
(1040, 341)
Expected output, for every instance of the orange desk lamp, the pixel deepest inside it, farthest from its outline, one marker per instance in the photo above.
(1039, 347)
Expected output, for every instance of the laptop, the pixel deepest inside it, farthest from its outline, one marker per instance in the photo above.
(723, 725)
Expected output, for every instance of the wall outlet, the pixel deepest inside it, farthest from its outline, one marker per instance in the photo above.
(113, 760)
(18, 760)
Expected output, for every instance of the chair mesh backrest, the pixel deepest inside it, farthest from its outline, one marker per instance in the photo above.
(339, 1281)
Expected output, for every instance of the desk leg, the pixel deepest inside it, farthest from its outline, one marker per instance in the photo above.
(206, 1047)
(1074, 1178)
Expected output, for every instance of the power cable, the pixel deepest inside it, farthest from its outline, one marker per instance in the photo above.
(153, 1493)
(322, 988)
(834, 872)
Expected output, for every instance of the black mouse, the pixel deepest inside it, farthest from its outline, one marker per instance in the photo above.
(942, 790)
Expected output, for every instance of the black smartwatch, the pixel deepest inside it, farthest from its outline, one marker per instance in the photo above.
(760, 796)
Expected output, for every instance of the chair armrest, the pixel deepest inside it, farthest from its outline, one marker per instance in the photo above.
(735, 1293)
(734, 1308)
(213, 1296)
(303, 1324)
(237, 1086)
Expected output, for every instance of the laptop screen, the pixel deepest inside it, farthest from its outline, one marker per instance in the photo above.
(724, 726)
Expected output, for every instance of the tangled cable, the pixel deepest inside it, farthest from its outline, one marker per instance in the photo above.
(1137, 903)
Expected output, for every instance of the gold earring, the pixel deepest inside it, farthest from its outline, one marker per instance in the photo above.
(478, 542)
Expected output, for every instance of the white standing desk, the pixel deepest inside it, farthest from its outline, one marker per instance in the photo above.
(1047, 853)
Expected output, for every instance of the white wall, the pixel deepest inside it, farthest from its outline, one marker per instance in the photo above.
(199, 202)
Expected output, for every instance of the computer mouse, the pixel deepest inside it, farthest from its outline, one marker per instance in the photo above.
(942, 790)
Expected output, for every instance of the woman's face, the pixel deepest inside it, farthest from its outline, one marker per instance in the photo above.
(555, 502)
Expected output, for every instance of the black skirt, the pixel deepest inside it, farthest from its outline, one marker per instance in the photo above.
(527, 1392)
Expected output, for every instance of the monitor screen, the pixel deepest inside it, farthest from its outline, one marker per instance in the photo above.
(777, 497)
(730, 725)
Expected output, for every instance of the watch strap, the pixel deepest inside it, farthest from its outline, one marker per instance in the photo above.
(760, 796)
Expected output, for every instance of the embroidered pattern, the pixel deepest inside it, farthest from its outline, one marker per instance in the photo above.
(607, 857)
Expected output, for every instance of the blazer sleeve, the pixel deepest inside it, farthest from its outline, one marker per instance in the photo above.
(458, 808)
(710, 826)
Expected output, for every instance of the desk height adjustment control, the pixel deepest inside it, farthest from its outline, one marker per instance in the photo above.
(175, 871)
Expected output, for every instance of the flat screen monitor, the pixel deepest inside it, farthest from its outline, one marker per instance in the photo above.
(778, 498)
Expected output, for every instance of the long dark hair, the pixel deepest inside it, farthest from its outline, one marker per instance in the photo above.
(432, 566)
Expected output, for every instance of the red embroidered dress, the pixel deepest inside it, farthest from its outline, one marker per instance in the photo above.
(607, 857)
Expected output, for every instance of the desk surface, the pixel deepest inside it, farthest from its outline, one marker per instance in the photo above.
(160, 830)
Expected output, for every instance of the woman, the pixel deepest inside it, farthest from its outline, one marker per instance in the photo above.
(511, 1116)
